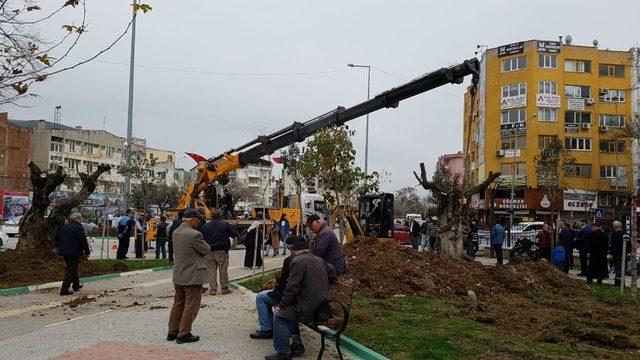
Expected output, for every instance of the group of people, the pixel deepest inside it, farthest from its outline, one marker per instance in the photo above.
(130, 226)
(424, 237)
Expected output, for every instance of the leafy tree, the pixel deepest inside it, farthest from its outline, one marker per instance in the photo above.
(330, 157)
(27, 57)
(295, 169)
(551, 162)
(407, 201)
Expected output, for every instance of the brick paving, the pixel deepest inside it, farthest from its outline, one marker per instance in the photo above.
(112, 350)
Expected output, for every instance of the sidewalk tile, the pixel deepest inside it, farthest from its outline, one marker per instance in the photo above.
(126, 351)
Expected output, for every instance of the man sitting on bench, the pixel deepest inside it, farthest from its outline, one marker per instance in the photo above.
(307, 288)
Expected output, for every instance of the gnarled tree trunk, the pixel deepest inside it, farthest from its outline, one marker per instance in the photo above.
(38, 231)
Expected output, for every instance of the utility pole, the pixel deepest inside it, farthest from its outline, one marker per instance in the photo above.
(127, 177)
(366, 141)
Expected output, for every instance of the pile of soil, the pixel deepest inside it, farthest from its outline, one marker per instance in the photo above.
(38, 267)
(381, 269)
(524, 299)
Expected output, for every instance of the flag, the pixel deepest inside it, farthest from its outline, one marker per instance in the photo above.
(197, 158)
(277, 159)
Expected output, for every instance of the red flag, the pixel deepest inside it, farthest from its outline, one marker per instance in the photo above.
(277, 159)
(197, 158)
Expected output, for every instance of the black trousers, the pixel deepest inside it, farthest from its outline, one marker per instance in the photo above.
(123, 248)
(71, 276)
(617, 265)
(160, 247)
(170, 246)
(497, 248)
(138, 246)
(584, 262)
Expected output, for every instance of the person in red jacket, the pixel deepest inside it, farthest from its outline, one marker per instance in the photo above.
(544, 242)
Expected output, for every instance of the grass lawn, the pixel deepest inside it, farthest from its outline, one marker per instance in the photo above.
(254, 284)
(134, 264)
(605, 291)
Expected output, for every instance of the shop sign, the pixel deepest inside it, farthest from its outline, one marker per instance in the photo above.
(14, 203)
(513, 129)
(549, 46)
(511, 49)
(571, 128)
(511, 204)
(507, 180)
(575, 104)
(511, 102)
(579, 200)
(511, 153)
(545, 203)
(548, 100)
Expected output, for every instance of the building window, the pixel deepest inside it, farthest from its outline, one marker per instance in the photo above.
(57, 159)
(72, 163)
(611, 171)
(580, 144)
(548, 61)
(548, 114)
(612, 120)
(176, 176)
(612, 95)
(513, 142)
(577, 91)
(72, 145)
(581, 66)
(548, 87)
(170, 158)
(514, 90)
(514, 116)
(611, 70)
(612, 146)
(109, 151)
(57, 147)
(578, 170)
(507, 169)
(89, 166)
(546, 140)
(90, 148)
(577, 117)
(514, 64)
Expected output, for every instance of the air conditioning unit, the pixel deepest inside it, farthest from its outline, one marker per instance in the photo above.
(603, 128)
(590, 101)
(586, 126)
(499, 153)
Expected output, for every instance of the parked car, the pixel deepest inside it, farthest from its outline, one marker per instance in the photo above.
(10, 226)
(401, 234)
(4, 238)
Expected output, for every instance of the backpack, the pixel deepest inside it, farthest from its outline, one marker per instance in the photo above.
(557, 255)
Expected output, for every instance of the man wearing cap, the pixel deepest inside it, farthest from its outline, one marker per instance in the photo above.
(72, 244)
(217, 234)
(189, 273)
(266, 300)
(326, 244)
(306, 289)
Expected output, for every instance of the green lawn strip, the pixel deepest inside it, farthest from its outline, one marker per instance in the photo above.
(135, 264)
(604, 292)
(255, 283)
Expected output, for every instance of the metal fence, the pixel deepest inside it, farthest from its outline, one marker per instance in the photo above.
(484, 238)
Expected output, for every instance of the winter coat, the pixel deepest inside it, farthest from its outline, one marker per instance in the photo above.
(597, 248)
(189, 249)
(72, 240)
(497, 235)
(307, 287)
(217, 233)
(327, 247)
(581, 239)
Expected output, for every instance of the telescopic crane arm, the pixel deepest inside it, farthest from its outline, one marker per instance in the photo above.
(217, 168)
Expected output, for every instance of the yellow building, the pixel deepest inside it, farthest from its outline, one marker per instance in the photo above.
(535, 91)
(160, 155)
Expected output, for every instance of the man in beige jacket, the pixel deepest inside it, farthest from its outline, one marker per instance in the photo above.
(189, 273)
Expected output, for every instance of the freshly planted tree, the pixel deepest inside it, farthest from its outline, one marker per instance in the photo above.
(294, 168)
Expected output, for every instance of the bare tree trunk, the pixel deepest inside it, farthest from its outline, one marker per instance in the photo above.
(299, 194)
(38, 232)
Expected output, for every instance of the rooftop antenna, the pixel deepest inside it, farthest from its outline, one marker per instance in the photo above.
(57, 117)
(568, 39)
(595, 42)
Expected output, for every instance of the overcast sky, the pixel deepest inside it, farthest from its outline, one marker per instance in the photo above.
(200, 111)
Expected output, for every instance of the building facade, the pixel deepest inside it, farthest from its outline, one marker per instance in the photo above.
(14, 157)
(531, 95)
(453, 162)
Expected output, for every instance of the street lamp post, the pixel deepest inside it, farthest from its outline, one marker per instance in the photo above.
(366, 141)
(127, 177)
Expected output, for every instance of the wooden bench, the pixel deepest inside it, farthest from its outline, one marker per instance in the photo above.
(340, 297)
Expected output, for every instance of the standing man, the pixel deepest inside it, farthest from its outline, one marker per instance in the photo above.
(544, 242)
(171, 228)
(565, 238)
(616, 250)
(189, 273)
(326, 245)
(306, 289)
(217, 234)
(434, 232)
(284, 230)
(125, 229)
(161, 237)
(415, 234)
(139, 235)
(72, 245)
(597, 248)
(227, 200)
(497, 239)
(581, 244)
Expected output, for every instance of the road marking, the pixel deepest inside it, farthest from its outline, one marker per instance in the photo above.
(78, 318)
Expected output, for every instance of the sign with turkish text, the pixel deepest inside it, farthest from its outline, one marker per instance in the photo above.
(580, 200)
(511, 49)
(510, 153)
(513, 129)
(548, 100)
(549, 46)
(511, 102)
(511, 204)
(571, 128)
(575, 104)
(507, 180)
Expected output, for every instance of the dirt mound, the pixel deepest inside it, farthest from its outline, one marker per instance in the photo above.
(381, 269)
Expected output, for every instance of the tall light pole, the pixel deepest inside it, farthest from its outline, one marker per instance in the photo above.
(127, 176)
(366, 141)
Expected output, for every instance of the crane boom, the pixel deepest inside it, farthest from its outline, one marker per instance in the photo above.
(218, 167)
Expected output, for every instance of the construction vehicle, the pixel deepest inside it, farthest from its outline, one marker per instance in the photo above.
(215, 170)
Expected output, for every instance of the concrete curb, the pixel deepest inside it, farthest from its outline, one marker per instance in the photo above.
(355, 348)
(26, 289)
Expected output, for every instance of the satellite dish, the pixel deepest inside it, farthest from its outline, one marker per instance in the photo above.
(568, 39)
(595, 42)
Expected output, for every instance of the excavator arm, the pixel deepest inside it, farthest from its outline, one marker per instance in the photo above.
(217, 168)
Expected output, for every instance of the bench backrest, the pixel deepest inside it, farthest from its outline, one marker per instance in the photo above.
(341, 293)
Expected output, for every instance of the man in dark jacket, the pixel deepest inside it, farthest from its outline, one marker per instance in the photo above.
(72, 245)
(161, 237)
(617, 244)
(227, 200)
(217, 233)
(174, 225)
(597, 245)
(307, 288)
(125, 231)
(326, 244)
(415, 234)
(565, 238)
(581, 244)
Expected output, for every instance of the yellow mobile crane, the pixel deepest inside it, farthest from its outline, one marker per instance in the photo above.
(201, 191)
